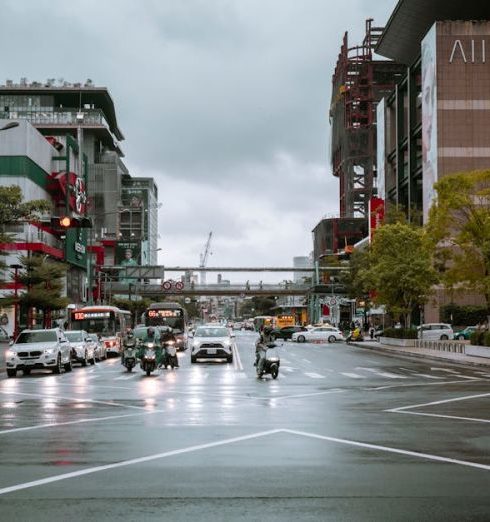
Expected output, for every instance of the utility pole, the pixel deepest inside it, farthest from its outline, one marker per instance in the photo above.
(204, 258)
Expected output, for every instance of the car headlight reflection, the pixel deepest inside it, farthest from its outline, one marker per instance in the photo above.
(50, 351)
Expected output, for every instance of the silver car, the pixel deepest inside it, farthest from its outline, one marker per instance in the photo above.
(38, 350)
(100, 350)
(212, 342)
(82, 348)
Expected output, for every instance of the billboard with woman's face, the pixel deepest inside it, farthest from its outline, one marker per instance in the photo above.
(429, 119)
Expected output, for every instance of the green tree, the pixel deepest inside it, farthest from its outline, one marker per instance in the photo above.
(259, 305)
(399, 269)
(13, 210)
(44, 283)
(459, 226)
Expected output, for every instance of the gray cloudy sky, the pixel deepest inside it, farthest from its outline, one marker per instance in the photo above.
(224, 102)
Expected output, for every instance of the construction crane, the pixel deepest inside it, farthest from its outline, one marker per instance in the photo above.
(204, 258)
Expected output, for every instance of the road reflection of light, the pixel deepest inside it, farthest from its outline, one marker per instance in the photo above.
(273, 403)
(198, 375)
(150, 404)
(50, 383)
(171, 404)
(228, 402)
(11, 384)
(195, 403)
(149, 387)
(228, 377)
(9, 405)
(81, 405)
(49, 404)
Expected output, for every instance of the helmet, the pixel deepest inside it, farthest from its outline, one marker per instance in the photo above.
(166, 329)
(267, 329)
(130, 334)
(150, 332)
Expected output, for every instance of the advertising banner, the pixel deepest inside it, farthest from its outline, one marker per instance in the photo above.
(380, 149)
(376, 215)
(127, 253)
(429, 120)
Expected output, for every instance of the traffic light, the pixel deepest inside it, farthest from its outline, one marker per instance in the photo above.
(64, 222)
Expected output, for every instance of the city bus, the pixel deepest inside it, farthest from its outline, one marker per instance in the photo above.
(168, 314)
(108, 322)
(128, 318)
(262, 320)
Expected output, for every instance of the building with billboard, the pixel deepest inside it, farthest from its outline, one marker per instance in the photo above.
(435, 122)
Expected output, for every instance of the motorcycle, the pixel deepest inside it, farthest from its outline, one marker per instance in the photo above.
(130, 357)
(170, 357)
(353, 337)
(268, 363)
(148, 362)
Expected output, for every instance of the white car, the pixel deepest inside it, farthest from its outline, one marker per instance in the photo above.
(99, 348)
(320, 333)
(38, 350)
(82, 347)
(435, 332)
(212, 342)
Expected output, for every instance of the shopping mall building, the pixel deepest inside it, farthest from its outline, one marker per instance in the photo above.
(436, 120)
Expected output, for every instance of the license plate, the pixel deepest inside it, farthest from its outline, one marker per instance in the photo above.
(29, 363)
(212, 351)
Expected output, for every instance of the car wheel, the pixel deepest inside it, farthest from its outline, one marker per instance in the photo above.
(301, 338)
(27, 371)
(229, 359)
(444, 337)
(92, 361)
(68, 367)
(193, 359)
(274, 371)
(460, 337)
(57, 368)
(85, 360)
(11, 372)
(332, 339)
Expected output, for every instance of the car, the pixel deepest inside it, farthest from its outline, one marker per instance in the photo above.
(320, 333)
(82, 347)
(465, 334)
(435, 332)
(100, 350)
(286, 332)
(38, 350)
(212, 342)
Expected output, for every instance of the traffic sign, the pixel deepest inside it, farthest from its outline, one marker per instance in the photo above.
(167, 285)
(179, 285)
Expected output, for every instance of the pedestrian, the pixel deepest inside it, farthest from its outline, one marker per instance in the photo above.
(371, 332)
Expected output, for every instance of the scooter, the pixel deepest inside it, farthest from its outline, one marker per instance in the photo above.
(170, 357)
(130, 357)
(269, 363)
(352, 337)
(148, 362)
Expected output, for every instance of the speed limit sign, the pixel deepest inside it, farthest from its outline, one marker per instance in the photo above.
(332, 301)
(167, 285)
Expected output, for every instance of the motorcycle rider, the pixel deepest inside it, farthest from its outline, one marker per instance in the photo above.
(265, 338)
(129, 341)
(166, 335)
(151, 337)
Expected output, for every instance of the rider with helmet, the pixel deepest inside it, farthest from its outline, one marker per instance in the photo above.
(264, 339)
(129, 341)
(151, 337)
(168, 342)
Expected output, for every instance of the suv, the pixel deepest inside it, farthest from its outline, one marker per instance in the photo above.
(212, 342)
(435, 332)
(38, 350)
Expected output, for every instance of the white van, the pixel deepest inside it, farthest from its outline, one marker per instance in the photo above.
(435, 332)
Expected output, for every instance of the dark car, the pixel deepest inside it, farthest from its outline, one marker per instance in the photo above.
(286, 331)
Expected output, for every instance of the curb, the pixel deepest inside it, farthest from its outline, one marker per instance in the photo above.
(398, 353)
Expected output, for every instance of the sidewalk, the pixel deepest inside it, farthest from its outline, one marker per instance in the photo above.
(448, 357)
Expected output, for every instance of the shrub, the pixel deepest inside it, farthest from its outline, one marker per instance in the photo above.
(464, 315)
(486, 338)
(480, 338)
(401, 333)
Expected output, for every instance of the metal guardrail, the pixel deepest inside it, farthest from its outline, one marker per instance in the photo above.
(442, 346)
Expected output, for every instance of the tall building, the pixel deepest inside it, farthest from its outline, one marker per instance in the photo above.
(80, 120)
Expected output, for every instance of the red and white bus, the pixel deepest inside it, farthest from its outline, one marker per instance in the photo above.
(108, 322)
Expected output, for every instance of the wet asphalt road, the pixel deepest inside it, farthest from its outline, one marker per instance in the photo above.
(342, 434)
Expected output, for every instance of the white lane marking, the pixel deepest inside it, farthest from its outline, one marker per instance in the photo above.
(436, 403)
(425, 376)
(353, 375)
(125, 377)
(382, 373)
(314, 375)
(388, 449)
(468, 377)
(79, 421)
(472, 419)
(438, 383)
(314, 394)
(447, 370)
(238, 359)
(130, 462)
(75, 399)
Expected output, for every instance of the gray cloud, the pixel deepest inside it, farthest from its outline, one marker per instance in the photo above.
(224, 102)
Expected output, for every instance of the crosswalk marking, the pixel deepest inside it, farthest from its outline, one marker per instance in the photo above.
(314, 375)
(353, 375)
(447, 370)
(425, 376)
(382, 373)
(125, 377)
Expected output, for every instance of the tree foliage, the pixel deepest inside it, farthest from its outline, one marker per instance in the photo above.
(459, 226)
(398, 267)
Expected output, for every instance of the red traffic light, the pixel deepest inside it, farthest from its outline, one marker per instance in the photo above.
(65, 222)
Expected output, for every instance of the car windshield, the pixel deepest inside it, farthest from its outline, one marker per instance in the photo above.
(212, 332)
(93, 337)
(74, 336)
(37, 337)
